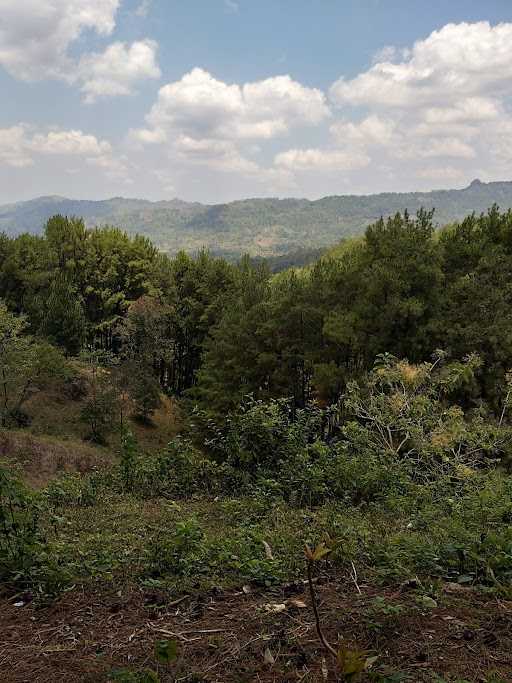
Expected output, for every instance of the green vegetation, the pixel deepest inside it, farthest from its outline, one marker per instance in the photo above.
(286, 228)
(359, 407)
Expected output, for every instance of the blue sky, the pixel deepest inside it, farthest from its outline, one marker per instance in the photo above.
(215, 100)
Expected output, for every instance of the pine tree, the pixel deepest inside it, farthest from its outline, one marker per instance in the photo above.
(64, 320)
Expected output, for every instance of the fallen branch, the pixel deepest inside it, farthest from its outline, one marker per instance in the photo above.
(319, 631)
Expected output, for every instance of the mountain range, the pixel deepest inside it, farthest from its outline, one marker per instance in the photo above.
(261, 227)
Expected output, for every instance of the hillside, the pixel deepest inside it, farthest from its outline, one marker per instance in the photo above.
(251, 477)
(265, 227)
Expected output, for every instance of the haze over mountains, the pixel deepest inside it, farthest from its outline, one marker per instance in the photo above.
(265, 227)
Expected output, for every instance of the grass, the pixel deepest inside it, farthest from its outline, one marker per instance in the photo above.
(42, 458)
(415, 577)
(53, 443)
(197, 570)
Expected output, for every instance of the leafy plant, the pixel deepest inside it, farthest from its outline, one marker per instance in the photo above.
(19, 529)
(166, 651)
(349, 662)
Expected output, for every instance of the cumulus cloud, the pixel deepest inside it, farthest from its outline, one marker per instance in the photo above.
(373, 130)
(201, 107)
(323, 160)
(222, 155)
(118, 69)
(36, 37)
(22, 146)
(434, 114)
(203, 121)
(458, 61)
(442, 104)
(67, 142)
(13, 148)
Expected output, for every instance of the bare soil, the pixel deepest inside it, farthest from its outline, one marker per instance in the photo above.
(239, 636)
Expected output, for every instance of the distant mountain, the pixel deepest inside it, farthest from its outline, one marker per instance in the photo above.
(262, 227)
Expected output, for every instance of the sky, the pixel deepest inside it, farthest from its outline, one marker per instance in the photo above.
(218, 100)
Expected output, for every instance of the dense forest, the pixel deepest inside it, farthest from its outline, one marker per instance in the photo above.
(214, 331)
(358, 404)
(268, 227)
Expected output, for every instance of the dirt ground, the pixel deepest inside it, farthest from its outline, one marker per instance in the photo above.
(254, 635)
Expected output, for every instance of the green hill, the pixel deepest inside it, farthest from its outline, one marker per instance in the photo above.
(264, 227)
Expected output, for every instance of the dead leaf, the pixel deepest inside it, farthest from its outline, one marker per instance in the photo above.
(268, 657)
(268, 551)
(325, 670)
(274, 608)
(247, 589)
(451, 587)
(299, 604)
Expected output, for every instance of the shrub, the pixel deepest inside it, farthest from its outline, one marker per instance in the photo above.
(73, 490)
(20, 537)
(180, 471)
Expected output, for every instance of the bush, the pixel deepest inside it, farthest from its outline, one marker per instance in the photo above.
(20, 534)
(260, 434)
(73, 490)
(180, 471)
(188, 552)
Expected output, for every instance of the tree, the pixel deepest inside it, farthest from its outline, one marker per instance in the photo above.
(26, 366)
(237, 360)
(102, 405)
(63, 319)
(144, 349)
(144, 390)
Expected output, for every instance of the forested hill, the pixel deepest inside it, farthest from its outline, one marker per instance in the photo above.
(267, 227)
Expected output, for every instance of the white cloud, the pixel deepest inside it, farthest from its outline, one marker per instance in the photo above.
(448, 148)
(456, 62)
(118, 69)
(143, 9)
(22, 146)
(205, 121)
(373, 130)
(388, 53)
(114, 168)
(35, 35)
(442, 104)
(201, 106)
(72, 142)
(222, 155)
(435, 114)
(442, 174)
(13, 151)
(444, 101)
(323, 160)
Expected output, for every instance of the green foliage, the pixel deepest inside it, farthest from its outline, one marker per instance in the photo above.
(188, 552)
(260, 434)
(72, 490)
(178, 472)
(100, 411)
(144, 390)
(166, 651)
(176, 553)
(128, 462)
(20, 534)
(256, 226)
(63, 318)
(26, 366)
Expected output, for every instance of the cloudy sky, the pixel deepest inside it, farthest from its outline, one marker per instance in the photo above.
(215, 100)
